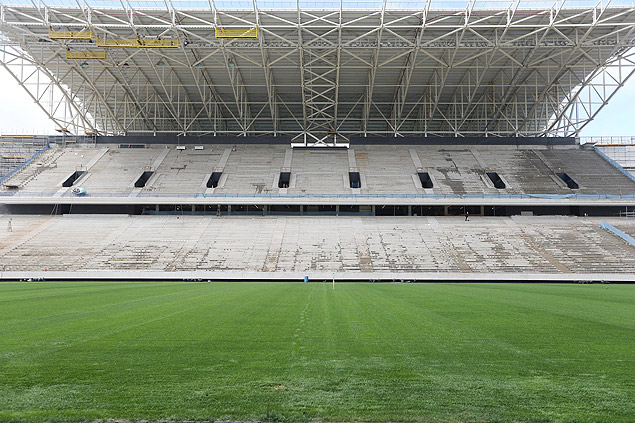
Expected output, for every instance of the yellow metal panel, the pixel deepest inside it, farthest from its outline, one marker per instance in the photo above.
(84, 34)
(96, 55)
(138, 43)
(236, 32)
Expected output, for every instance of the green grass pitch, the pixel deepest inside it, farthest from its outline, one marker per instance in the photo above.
(362, 352)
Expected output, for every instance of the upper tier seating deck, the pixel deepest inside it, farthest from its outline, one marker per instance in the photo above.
(384, 170)
(50, 169)
(622, 154)
(251, 169)
(184, 171)
(455, 170)
(594, 174)
(118, 169)
(16, 150)
(320, 172)
(524, 170)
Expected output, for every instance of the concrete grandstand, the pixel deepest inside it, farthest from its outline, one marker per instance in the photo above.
(272, 140)
(250, 226)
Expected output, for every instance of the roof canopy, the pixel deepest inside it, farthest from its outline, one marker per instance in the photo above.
(310, 68)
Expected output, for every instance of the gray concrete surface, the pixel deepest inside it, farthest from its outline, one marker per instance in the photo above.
(254, 169)
(290, 247)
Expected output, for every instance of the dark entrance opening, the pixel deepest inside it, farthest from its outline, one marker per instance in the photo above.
(247, 209)
(143, 179)
(315, 209)
(391, 210)
(496, 180)
(426, 182)
(213, 180)
(349, 209)
(71, 179)
(461, 210)
(428, 210)
(132, 146)
(283, 209)
(354, 179)
(284, 180)
(568, 180)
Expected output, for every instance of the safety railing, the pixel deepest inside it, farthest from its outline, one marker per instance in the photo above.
(333, 196)
(626, 140)
(626, 237)
(27, 161)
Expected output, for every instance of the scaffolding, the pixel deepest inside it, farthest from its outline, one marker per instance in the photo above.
(15, 150)
(87, 55)
(83, 34)
(251, 32)
(136, 43)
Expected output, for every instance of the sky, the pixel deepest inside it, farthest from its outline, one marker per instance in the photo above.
(20, 115)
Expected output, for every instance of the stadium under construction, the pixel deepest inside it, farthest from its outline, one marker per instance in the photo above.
(271, 140)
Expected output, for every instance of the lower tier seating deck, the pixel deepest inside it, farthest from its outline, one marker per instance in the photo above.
(384, 170)
(553, 245)
(627, 226)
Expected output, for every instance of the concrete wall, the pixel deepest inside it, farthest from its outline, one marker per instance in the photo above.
(463, 140)
(168, 139)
